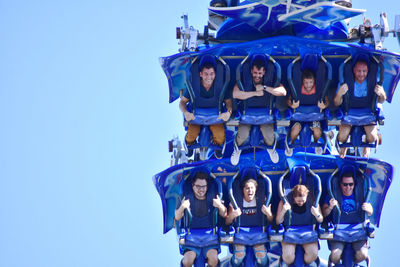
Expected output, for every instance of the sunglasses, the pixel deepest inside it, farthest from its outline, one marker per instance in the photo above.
(347, 184)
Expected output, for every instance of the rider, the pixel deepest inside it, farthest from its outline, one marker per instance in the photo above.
(207, 90)
(358, 93)
(308, 96)
(258, 94)
(302, 210)
(249, 216)
(200, 209)
(348, 205)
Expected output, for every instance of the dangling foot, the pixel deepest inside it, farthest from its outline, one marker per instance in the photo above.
(288, 151)
(273, 155)
(343, 152)
(366, 151)
(235, 155)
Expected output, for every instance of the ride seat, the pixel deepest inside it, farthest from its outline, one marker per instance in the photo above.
(361, 111)
(349, 225)
(308, 110)
(200, 232)
(206, 110)
(258, 110)
(251, 230)
(300, 229)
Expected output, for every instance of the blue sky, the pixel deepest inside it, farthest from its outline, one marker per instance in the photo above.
(84, 125)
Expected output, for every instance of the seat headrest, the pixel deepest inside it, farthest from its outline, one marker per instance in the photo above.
(248, 172)
(309, 61)
(207, 58)
(348, 168)
(298, 176)
(361, 57)
(261, 57)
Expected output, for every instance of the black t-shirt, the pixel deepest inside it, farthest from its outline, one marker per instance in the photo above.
(299, 209)
(198, 208)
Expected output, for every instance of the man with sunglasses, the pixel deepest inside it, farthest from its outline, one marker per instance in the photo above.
(348, 205)
(200, 208)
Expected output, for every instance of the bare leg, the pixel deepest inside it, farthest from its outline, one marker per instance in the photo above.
(295, 132)
(361, 255)
(212, 257)
(310, 252)
(336, 252)
(288, 250)
(317, 133)
(371, 132)
(344, 132)
(361, 250)
(188, 258)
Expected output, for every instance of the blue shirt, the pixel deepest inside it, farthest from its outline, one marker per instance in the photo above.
(360, 89)
(348, 203)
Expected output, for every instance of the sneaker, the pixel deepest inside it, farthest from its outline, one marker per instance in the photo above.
(235, 155)
(188, 151)
(273, 155)
(318, 150)
(288, 151)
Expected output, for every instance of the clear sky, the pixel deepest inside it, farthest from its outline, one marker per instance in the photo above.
(84, 125)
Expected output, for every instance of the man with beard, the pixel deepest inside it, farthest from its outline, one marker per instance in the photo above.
(256, 94)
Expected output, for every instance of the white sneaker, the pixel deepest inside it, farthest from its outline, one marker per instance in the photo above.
(288, 151)
(235, 155)
(273, 155)
(318, 150)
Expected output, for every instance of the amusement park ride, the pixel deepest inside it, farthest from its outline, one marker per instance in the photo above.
(289, 36)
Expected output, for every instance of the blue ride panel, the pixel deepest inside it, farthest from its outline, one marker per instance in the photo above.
(378, 172)
(175, 66)
(321, 14)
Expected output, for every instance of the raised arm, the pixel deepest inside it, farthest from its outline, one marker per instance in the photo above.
(367, 207)
(327, 208)
(220, 206)
(242, 95)
(316, 211)
(292, 104)
(338, 100)
(267, 212)
(282, 209)
(232, 214)
(180, 211)
(380, 92)
(277, 91)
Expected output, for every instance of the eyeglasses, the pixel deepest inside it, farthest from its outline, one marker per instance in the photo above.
(347, 184)
(198, 187)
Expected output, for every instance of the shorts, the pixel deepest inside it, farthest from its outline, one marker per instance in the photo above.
(313, 124)
(356, 245)
(199, 250)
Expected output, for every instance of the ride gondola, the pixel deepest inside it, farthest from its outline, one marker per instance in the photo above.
(291, 36)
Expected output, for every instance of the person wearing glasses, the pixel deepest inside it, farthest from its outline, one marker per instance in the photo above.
(200, 209)
(348, 205)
